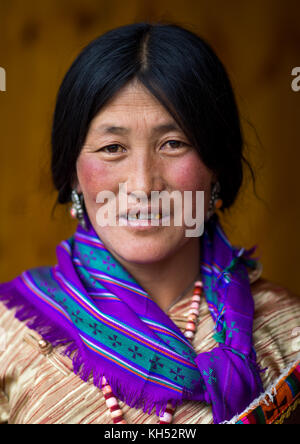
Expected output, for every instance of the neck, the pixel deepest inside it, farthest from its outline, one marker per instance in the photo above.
(167, 280)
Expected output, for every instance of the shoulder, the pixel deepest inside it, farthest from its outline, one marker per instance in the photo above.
(270, 296)
(276, 339)
(276, 328)
(275, 299)
(11, 328)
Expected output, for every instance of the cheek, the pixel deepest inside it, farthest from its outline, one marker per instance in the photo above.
(93, 175)
(190, 173)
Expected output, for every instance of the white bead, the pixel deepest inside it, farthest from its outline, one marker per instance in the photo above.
(116, 413)
(167, 417)
(198, 284)
(188, 334)
(194, 311)
(196, 298)
(110, 402)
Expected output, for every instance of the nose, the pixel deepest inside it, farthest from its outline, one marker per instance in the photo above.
(144, 176)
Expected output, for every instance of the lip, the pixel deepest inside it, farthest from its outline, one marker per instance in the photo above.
(144, 224)
(144, 210)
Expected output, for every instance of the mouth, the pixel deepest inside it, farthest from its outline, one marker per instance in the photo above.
(143, 218)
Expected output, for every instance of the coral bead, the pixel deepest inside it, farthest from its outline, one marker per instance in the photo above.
(73, 213)
(218, 204)
(107, 390)
(190, 326)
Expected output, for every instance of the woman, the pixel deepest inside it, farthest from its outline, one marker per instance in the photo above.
(140, 322)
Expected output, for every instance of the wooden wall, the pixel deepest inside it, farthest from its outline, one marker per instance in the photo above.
(259, 43)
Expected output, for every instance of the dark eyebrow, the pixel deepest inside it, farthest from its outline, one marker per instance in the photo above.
(159, 129)
(165, 128)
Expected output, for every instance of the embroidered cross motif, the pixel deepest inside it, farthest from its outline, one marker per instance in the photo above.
(50, 291)
(177, 373)
(108, 263)
(232, 329)
(76, 316)
(155, 363)
(114, 340)
(90, 257)
(135, 352)
(63, 303)
(211, 379)
(213, 357)
(96, 330)
(188, 354)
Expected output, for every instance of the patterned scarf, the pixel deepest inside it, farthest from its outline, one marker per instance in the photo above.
(110, 327)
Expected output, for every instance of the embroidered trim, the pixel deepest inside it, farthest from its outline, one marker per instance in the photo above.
(288, 413)
(275, 401)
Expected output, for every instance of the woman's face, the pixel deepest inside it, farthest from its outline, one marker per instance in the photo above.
(135, 141)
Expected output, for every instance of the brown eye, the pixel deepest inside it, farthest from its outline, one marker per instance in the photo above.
(112, 149)
(174, 144)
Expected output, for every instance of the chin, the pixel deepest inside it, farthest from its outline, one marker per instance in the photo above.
(149, 257)
(141, 251)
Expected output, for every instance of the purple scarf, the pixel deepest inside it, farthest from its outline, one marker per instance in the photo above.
(112, 328)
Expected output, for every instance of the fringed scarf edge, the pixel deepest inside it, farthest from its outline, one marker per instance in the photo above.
(35, 320)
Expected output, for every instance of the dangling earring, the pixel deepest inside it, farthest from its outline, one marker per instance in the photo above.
(77, 211)
(215, 202)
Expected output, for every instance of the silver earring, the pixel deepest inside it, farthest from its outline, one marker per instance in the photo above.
(77, 211)
(215, 202)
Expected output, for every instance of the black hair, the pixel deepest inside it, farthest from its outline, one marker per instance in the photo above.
(180, 69)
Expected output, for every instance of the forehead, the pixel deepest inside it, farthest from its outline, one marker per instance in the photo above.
(132, 95)
(133, 103)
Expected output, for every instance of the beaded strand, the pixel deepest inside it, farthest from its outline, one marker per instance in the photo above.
(190, 329)
(193, 313)
(112, 403)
